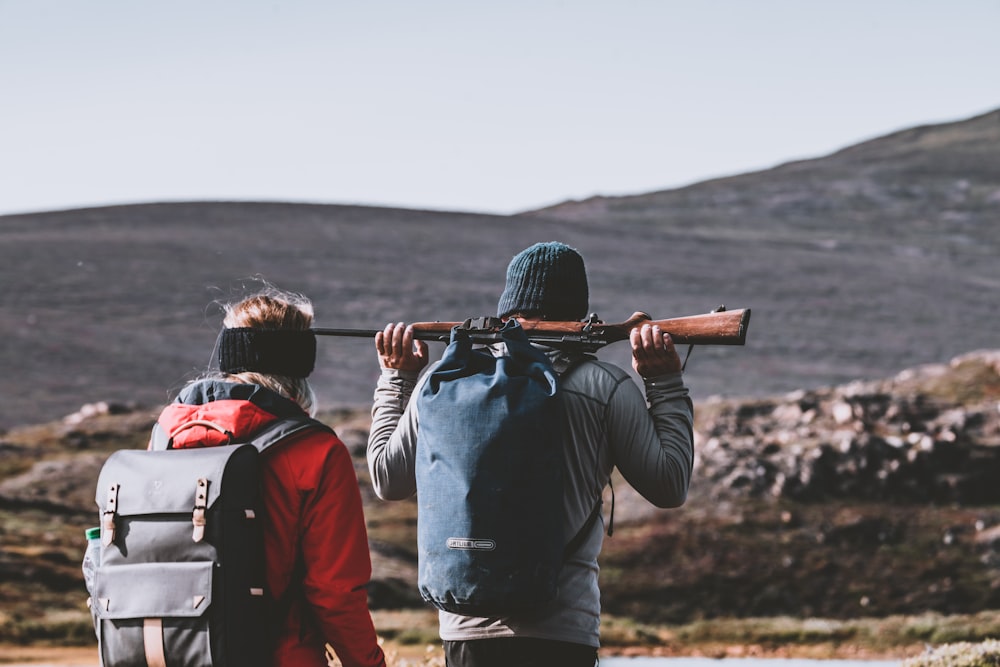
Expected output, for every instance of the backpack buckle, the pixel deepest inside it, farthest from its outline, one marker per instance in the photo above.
(198, 514)
(108, 517)
(487, 323)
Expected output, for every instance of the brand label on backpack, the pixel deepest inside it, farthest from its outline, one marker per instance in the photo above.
(470, 544)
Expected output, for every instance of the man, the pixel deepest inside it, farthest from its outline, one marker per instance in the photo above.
(610, 424)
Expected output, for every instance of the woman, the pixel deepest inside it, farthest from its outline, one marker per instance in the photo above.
(316, 544)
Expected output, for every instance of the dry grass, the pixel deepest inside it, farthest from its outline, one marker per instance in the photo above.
(409, 639)
(961, 654)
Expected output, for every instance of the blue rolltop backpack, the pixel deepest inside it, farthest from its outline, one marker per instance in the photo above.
(491, 534)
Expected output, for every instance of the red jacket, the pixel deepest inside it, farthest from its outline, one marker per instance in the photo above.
(313, 516)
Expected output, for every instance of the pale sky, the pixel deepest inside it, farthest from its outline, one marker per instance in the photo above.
(490, 107)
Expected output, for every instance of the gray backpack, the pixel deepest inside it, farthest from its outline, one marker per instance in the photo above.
(181, 579)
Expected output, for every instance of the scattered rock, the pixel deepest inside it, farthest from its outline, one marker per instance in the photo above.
(905, 439)
(56, 484)
(90, 410)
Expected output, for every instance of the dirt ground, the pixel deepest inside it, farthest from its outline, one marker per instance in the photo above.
(76, 656)
(26, 656)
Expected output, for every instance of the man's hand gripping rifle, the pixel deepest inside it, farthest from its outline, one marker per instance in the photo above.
(720, 327)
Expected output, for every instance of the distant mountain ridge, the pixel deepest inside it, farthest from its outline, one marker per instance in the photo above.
(882, 250)
(873, 259)
(933, 189)
(949, 171)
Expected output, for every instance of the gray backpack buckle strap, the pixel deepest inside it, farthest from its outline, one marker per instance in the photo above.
(198, 513)
(108, 517)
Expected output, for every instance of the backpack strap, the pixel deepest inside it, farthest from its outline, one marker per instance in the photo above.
(574, 544)
(159, 439)
(564, 364)
(280, 429)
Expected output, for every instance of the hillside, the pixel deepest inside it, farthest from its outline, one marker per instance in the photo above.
(856, 265)
(937, 185)
(875, 258)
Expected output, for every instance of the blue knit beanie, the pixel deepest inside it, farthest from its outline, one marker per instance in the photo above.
(548, 280)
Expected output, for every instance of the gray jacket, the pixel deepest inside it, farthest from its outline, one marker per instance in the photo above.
(611, 426)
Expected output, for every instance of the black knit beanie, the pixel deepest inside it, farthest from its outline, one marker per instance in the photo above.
(548, 280)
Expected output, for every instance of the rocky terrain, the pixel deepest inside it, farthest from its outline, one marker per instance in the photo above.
(867, 499)
(872, 499)
(929, 435)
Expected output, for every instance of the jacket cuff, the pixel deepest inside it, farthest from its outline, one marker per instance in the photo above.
(669, 382)
(396, 376)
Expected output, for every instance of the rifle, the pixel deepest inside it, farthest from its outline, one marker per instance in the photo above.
(719, 327)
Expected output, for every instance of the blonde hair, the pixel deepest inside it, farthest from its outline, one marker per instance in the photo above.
(274, 309)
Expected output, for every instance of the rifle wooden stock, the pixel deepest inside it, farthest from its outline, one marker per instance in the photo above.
(723, 327)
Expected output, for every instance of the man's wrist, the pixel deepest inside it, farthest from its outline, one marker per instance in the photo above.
(396, 373)
(664, 381)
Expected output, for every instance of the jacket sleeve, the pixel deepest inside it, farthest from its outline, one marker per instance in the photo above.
(337, 562)
(392, 441)
(652, 440)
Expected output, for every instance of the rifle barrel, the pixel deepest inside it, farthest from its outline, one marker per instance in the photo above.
(370, 333)
(353, 333)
